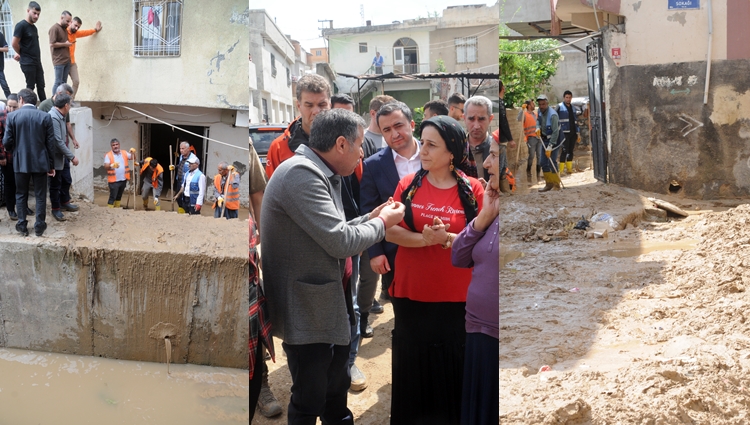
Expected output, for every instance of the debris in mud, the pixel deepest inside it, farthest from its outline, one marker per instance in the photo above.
(669, 207)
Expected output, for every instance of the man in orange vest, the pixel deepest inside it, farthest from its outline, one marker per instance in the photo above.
(152, 176)
(527, 115)
(231, 199)
(118, 172)
(313, 96)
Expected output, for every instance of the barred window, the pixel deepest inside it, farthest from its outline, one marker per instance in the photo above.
(288, 77)
(273, 66)
(158, 28)
(6, 26)
(466, 49)
(362, 47)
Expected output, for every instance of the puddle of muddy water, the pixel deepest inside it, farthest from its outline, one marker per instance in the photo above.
(47, 388)
(510, 256)
(647, 247)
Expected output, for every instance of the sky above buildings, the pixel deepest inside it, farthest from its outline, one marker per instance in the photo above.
(299, 18)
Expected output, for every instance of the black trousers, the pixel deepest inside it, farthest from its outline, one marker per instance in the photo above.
(22, 197)
(320, 384)
(10, 186)
(35, 76)
(569, 145)
(116, 190)
(479, 403)
(257, 380)
(65, 182)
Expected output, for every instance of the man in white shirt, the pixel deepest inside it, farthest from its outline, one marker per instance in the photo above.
(373, 139)
(396, 125)
(193, 188)
(380, 176)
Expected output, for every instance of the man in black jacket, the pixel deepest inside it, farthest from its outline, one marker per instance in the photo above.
(506, 139)
(30, 136)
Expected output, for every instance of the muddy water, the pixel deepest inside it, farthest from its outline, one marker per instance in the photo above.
(47, 388)
(647, 247)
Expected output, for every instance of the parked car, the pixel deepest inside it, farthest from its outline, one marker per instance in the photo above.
(262, 136)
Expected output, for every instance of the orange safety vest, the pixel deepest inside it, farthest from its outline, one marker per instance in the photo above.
(155, 175)
(529, 124)
(279, 152)
(111, 178)
(232, 197)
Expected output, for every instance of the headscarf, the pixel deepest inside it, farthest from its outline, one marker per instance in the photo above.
(455, 140)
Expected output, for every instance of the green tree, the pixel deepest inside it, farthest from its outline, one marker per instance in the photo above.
(526, 75)
(440, 66)
(418, 116)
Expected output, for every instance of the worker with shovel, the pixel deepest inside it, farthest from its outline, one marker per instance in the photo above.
(152, 176)
(118, 172)
(548, 129)
(226, 192)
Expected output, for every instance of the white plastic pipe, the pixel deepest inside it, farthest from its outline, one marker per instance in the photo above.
(708, 57)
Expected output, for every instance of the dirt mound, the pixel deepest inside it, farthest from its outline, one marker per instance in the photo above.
(645, 327)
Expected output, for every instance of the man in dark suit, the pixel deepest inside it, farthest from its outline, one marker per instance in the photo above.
(30, 136)
(381, 174)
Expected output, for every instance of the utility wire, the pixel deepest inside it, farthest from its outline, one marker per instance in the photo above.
(553, 48)
(186, 131)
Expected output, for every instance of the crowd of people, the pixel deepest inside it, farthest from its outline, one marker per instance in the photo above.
(348, 203)
(551, 134)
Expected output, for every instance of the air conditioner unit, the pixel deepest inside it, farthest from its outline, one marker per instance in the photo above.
(235, 118)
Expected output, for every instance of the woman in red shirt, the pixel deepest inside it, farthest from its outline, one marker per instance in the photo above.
(429, 294)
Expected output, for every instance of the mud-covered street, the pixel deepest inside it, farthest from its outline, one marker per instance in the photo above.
(645, 326)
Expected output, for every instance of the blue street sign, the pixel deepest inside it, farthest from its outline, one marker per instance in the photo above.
(684, 4)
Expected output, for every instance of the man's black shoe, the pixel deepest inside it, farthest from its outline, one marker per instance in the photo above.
(58, 215)
(22, 229)
(13, 216)
(376, 307)
(40, 228)
(367, 332)
(69, 207)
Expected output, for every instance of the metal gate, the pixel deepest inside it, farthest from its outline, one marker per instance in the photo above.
(596, 109)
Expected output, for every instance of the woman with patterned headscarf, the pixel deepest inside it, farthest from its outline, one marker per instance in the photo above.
(429, 294)
(477, 247)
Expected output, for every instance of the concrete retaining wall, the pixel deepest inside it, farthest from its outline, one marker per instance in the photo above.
(661, 132)
(110, 303)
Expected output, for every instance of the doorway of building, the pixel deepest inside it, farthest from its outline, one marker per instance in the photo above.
(156, 139)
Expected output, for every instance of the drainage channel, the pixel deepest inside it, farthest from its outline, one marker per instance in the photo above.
(46, 388)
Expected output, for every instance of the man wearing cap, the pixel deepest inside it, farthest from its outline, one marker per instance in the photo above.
(152, 176)
(193, 188)
(548, 129)
(182, 169)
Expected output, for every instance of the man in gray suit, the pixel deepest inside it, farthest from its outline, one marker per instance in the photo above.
(57, 186)
(31, 138)
(307, 245)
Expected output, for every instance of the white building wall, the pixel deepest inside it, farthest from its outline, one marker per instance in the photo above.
(127, 131)
(345, 56)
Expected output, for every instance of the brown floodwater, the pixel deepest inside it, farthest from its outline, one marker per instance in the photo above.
(50, 388)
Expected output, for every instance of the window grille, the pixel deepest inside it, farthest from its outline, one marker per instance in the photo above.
(158, 28)
(466, 50)
(7, 27)
(288, 77)
(273, 66)
(362, 47)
